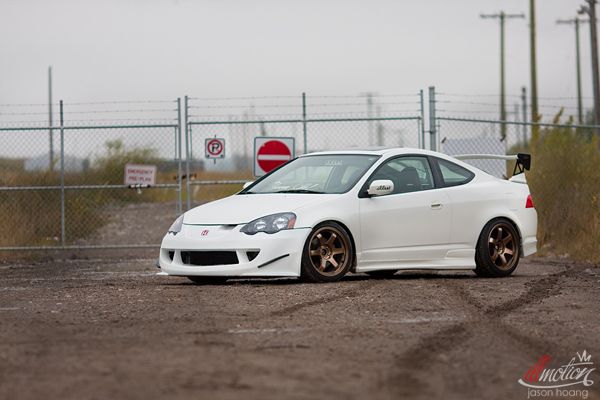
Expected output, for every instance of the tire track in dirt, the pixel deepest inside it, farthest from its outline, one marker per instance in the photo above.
(411, 364)
(355, 291)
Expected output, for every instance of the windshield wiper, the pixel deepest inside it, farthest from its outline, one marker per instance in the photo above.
(299, 191)
(247, 192)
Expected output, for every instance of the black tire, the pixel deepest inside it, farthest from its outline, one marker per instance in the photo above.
(207, 280)
(382, 273)
(327, 254)
(498, 249)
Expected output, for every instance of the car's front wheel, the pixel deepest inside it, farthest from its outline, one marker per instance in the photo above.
(498, 249)
(327, 253)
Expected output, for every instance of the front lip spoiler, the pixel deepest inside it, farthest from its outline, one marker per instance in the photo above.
(272, 261)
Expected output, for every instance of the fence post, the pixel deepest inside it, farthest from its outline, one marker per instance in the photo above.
(188, 196)
(62, 175)
(304, 122)
(50, 121)
(178, 144)
(422, 130)
(432, 127)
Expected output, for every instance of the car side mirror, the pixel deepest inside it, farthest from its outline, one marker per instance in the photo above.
(247, 184)
(380, 187)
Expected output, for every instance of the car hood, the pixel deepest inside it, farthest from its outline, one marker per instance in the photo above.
(241, 209)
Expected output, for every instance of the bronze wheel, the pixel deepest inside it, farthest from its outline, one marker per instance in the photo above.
(327, 253)
(503, 247)
(498, 249)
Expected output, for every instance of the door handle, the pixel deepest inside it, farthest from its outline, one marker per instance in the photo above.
(436, 206)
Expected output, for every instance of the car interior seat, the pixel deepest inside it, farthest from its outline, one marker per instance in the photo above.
(408, 181)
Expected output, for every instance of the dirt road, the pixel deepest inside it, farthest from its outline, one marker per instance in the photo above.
(114, 330)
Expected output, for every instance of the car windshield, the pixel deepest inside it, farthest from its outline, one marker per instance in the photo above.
(336, 173)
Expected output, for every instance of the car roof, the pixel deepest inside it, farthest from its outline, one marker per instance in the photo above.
(393, 151)
(379, 151)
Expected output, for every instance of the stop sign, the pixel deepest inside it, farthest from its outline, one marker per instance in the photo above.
(270, 153)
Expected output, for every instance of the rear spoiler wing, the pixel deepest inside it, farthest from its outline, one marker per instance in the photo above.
(523, 160)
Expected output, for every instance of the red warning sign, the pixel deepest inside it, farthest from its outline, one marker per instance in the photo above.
(270, 153)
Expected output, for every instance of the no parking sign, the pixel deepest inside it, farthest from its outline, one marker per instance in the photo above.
(271, 152)
(214, 148)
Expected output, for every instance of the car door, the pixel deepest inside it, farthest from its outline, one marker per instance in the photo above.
(469, 203)
(409, 226)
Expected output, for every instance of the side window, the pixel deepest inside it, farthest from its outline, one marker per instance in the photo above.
(453, 174)
(409, 174)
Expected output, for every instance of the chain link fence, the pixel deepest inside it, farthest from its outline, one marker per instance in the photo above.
(61, 186)
(62, 170)
(316, 123)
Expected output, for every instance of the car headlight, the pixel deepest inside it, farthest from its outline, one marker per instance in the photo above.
(176, 226)
(270, 223)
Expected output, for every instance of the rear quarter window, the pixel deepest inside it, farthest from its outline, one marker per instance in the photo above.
(453, 174)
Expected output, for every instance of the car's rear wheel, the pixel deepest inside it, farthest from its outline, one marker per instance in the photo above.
(382, 273)
(498, 249)
(207, 280)
(327, 253)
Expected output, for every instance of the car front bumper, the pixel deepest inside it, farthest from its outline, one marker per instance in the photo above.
(279, 254)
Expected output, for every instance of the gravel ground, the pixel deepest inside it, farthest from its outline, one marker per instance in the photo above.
(123, 226)
(96, 329)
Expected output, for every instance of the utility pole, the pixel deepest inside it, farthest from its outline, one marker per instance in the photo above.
(524, 105)
(576, 21)
(502, 16)
(533, 64)
(590, 10)
(50, 133)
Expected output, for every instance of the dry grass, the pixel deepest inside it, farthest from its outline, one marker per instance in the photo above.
(205, 193)
(32, 217)
(565, 185)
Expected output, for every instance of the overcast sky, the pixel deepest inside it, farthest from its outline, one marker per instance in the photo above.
(163, 49)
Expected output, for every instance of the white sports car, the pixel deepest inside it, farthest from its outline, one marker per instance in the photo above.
(376, 211)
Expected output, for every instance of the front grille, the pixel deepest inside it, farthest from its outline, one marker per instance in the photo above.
(206, 258)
